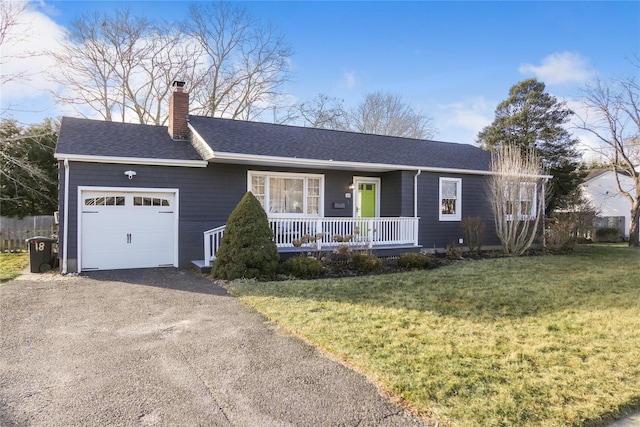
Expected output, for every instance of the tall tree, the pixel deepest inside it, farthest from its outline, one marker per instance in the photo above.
(531, 118)
(245, 62)
(28, 171)
(387, 114)
(613, 117)
(122, 66)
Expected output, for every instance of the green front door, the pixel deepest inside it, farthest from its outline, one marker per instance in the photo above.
(366, 200)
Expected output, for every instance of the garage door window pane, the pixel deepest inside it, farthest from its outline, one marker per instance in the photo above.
(150, 201)
(104, 201)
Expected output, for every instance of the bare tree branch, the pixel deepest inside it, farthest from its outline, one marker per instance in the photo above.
(515, 193)
(613, 118)
(246, 62)
(386, 114)
(122, 66)
(322, 112)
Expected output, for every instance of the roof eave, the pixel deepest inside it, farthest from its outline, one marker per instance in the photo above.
(241, 158)
(131, 160)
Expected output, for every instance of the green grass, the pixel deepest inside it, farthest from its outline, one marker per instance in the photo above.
(535, 341)
(11, 265)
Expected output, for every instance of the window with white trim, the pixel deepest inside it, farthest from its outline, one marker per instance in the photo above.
(450, 199)
(521, 201)
(287, 194)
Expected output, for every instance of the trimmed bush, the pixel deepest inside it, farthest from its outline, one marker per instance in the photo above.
(473, 229)
(247, 249)
(302, 267)
(608, 235)
(366, 263)
(413, 260)
(560, 234)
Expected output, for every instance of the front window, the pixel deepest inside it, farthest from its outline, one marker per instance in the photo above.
(284, 194)
(450, 199)
(521, 200)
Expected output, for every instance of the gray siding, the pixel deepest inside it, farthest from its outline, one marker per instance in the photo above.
(208, 195)
(396, 194)
(437, 234)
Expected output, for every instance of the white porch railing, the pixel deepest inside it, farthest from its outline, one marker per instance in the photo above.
(212, 240)
(324, 233)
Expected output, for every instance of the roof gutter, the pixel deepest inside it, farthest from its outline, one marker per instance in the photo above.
(131, 160)
(332, 164)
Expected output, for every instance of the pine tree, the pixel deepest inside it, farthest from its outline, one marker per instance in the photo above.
(533, 119)
(247, 249)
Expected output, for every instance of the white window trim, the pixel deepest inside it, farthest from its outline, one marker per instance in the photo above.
(305, 176)
(534, 203)
(458, 215)
(357, 180)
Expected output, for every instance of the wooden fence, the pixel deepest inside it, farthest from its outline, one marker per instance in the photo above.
(15, 231)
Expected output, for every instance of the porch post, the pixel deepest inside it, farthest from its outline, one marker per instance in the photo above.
(207, 249)
(318, 231)
(416, 219)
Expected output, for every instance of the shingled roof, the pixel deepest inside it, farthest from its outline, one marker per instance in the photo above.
(113, 139)
(84, 137)
(265, 139)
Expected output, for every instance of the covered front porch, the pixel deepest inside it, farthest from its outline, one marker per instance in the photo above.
(293, 235)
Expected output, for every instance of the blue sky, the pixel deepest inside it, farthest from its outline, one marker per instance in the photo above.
(453, 60)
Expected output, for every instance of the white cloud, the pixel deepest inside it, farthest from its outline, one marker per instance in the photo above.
(349, 79)
(462, 121)
(23, 56)
(558, 68)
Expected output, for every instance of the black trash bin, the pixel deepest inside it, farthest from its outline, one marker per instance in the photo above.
(40, 253)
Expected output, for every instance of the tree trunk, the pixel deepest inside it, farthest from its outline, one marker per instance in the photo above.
(634, 228)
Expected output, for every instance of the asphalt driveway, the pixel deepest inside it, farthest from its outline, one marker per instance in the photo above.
(165, 347)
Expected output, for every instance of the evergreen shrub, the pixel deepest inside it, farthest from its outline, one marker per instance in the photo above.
(366, 263)
(302, 267)
(413, 260)
(608, 235)
(247, 249)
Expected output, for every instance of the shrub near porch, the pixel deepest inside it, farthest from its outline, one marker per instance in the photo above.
(537, 341)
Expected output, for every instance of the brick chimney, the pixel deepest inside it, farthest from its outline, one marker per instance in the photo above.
(178, 111)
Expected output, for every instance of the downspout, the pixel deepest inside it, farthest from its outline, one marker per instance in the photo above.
(415, 193)
(415, 206)
(65, 244)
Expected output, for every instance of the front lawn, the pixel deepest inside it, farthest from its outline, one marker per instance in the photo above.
(11, 265)
(536, 341)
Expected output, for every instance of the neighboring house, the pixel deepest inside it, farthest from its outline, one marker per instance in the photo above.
(600, 188)
(134, 196)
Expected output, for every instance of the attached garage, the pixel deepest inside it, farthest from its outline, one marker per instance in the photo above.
(127, 228)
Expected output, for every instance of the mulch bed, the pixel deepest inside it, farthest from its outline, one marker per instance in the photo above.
(336, 266)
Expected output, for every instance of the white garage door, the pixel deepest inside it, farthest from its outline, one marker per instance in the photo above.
(127, 229)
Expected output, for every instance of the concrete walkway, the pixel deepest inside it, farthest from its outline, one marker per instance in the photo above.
(630, 421)
(165, 347)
